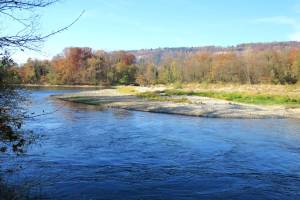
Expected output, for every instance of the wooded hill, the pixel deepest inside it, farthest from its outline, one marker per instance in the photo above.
(160, 52)
(276, 63)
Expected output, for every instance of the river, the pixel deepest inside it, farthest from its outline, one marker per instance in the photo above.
(88, 153)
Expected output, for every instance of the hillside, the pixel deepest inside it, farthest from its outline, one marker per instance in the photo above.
(253, 63)
(157, 54)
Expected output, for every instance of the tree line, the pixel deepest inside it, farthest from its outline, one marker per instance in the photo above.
(24, 16)
(85, 66)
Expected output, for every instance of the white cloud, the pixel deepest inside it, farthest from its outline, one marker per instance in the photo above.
(22, 56)
(283, 20)
(293, 23)
(295, 36)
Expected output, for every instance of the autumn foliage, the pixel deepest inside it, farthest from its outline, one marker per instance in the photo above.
(85, 66)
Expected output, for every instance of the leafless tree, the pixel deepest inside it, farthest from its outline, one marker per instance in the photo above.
(22, 14)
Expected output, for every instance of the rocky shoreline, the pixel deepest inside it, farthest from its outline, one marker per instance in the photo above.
(196, 106)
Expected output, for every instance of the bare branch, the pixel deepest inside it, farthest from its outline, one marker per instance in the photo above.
(27, 37)
(21, 21)
(24, 4)
(64, 28)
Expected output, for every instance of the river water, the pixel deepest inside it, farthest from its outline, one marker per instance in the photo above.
(89, 153)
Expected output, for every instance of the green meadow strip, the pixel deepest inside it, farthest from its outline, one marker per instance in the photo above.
(233, 96)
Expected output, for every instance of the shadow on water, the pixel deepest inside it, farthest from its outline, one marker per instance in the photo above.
(91, 153)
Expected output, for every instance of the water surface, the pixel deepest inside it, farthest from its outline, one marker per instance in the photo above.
(89, 153)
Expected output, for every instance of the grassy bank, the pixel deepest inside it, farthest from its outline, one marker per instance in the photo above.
(167, 99)
(251, 94)
(240, 97)
(266, 89)
(155, 96)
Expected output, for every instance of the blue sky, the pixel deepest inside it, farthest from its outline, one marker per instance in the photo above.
(137, 24)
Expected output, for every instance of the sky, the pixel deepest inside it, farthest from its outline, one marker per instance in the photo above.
(139, 24)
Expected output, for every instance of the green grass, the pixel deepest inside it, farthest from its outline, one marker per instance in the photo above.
(126, 90)
(241, 97)
(155, 96)
(173, 95)
(85, 100)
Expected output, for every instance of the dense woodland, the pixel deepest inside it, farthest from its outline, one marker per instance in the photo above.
(245, 64)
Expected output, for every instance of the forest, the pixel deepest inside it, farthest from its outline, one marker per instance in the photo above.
(77, 66)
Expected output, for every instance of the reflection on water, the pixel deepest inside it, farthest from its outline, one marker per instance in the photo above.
(90, 153)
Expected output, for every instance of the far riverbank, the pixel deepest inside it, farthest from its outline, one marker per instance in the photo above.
(162, 99)
(62, 86)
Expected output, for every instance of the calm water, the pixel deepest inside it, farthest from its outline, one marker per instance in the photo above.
(88, 153)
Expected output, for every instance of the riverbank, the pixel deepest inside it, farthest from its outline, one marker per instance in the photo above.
(60, 86)
(157, 99)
